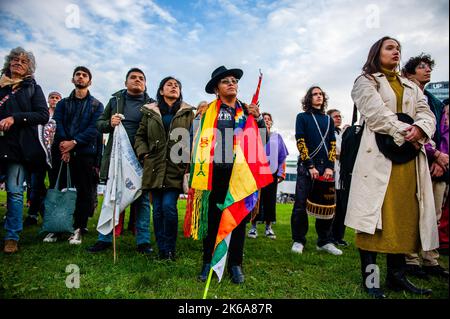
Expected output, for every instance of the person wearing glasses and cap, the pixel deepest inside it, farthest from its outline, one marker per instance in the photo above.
(224, 84)
(37, 179)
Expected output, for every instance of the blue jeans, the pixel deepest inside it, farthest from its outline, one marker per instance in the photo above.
(15, 176)
(165, 219)
(142, 221)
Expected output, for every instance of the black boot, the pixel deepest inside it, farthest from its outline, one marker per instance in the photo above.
(372, 288)
(396, 278)
(205, 272)
(237, 276)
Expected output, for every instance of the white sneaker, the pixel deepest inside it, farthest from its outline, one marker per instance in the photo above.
(75, 239)
(270, 233)
(50, 238)
(297, 248)
(331, 249)
(252, 233)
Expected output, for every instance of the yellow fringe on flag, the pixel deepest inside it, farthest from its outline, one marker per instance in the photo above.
(199, 222)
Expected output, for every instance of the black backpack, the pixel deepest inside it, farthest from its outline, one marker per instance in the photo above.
(351, 139)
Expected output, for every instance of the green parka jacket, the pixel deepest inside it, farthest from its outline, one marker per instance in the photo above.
(165, 157)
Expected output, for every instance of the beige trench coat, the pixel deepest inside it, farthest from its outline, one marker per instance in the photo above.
(372, 169)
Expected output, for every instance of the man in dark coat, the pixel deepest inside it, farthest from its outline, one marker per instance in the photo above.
(76, 144)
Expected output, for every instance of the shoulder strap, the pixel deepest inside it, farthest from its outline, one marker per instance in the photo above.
(355, 114)
(323, 137)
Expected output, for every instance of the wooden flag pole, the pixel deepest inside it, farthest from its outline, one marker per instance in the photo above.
(114, 232)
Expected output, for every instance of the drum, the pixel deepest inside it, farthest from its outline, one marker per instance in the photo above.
(321, 202)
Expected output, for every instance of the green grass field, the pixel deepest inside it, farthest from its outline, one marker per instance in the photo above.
(272, 271)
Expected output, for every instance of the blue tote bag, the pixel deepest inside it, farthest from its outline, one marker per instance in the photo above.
(59, 206)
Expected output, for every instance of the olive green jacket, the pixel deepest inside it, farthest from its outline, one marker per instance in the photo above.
(165, 157)
(115, 105)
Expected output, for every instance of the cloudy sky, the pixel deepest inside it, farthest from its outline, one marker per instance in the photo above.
(296, 43)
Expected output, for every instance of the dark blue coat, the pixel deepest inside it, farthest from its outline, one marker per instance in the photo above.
(73, 123)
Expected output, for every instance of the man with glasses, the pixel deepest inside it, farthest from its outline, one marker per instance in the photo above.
(418, 69)
(338, 228)
(38, 189)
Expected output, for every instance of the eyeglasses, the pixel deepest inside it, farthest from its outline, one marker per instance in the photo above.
(22, 61)
(424, 65)
(229, 81)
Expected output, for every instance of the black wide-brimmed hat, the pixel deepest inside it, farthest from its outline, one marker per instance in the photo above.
(397, 154)
(220, 73)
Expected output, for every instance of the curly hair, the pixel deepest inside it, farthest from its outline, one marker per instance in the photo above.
(16, 53)
(413, 62)
(307, 100)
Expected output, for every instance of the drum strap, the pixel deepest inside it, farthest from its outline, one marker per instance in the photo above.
(323, 142)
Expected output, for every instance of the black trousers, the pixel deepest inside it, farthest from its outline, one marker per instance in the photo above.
(268, 202)
(299, 217)
(338, 228)
(82, 174)
(220, 182)
(37, 191)
(396, 263)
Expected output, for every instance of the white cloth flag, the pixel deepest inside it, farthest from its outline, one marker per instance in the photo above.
(124, 180)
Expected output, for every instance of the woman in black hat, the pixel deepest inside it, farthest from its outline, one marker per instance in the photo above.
(391, 197)
(224, 84)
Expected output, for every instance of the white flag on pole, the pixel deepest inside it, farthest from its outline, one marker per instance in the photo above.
(124, 180)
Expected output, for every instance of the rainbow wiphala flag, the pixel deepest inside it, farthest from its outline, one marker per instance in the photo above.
(250, 172)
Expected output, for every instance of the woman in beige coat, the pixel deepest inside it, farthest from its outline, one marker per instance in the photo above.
(390, 205)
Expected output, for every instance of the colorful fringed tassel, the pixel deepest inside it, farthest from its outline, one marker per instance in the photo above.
(199, 214)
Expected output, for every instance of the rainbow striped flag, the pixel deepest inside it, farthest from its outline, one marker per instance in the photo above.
(250, 172)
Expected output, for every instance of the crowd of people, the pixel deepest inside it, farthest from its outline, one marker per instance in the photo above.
(399, 185)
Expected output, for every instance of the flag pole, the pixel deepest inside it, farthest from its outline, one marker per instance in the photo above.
(208, 282)
(114, 232)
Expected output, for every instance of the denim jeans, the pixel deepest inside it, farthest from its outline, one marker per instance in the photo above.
(165, 219)
(15, 176)
(142, 221)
